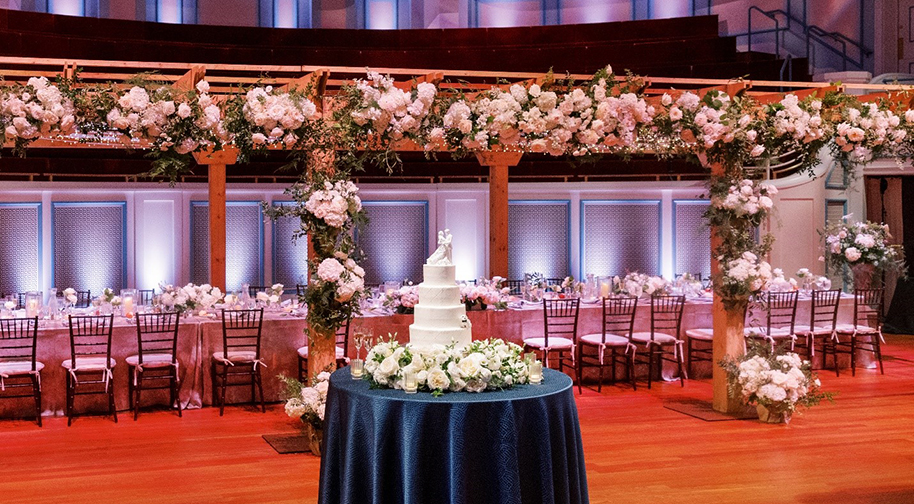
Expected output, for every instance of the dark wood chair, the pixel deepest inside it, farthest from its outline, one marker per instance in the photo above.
(19, 370)
(254, 289)
(156, 360)
(515, 286)
(90, 363)
(616, 334)
(780, 319)
(146, 296)
(342, 349)
(83, 299)
(662, 342)
(823, 320)
(300, 291)
(865, 333)
(560, 332)
(239, 359)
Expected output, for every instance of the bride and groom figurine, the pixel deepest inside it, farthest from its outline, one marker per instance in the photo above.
(442, 255)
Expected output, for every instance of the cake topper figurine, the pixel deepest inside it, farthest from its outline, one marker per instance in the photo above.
(442, 255)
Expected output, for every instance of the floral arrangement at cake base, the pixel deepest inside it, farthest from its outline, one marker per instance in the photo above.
(482, 365)
(775, 381)
(863, 247)
(307, 403)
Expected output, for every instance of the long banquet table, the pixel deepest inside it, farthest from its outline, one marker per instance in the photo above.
(284, 333)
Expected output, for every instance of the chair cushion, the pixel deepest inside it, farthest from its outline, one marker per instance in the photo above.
(555, 343)
(236, 356)
(14, 368)
(849, 329)
(151, 360)
(89, 364)
(597, 340)
(803, 330)
(661, 338)
(704, 334)
(303, 352)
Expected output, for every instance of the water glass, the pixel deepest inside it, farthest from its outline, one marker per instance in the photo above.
(536, 372)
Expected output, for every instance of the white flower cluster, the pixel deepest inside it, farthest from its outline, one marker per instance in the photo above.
(803, 123)
(860, 243)
(746, 198)
(311, 403)
(190, 297)
(748, 273)
(403, 299)
(870, 129)
(482, 365)
(33, 110)
(391, 110)
(348, 276)
(536, 120)
(157, 117)
(639, 284)
(69, 295)
(778, 382)
(271, 296)
(277, 115)
(335, 203)
(779, 283)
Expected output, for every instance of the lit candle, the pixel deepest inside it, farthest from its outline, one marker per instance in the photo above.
(202, 313)
(128, 306)
(536, 372)
(604, 289)
(410, 382)
(356, 368)
(31, 308)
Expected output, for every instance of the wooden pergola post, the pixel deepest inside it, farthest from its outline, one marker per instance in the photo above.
(217, 162)
(498, 163)
(728, 324)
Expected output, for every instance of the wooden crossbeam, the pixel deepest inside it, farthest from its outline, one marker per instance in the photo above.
(315, 82)
(190, 79)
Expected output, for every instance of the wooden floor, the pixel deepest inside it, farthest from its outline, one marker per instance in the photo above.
(858, 450)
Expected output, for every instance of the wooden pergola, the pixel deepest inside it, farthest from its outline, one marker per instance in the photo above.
(326, 82)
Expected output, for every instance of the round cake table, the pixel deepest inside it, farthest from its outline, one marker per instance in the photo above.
(521, 445)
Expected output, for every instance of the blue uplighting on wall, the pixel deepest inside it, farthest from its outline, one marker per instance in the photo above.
(20, 247)
(620, 236)
(290, 260)
(395, 240)
(539, 232)
(243, 247)
(691, 238)
(89, 245)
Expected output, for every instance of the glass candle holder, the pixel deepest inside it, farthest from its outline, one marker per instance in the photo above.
(32, 304)
(356, 368)
(128, 302)
(410, 382)
(536, 372)
(605, 286)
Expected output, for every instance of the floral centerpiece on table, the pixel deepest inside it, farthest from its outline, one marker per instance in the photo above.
(272, 296)
(689, 285)
(569, 286)
(308, 404)
(745, 276)
(779, 283)
(640, 284)
(861, 246)
(35, 109)
(402, 300)
(69, 295)
(775, 381)
(484, 294)
(108, 297)
(491, 364)
(190, 298)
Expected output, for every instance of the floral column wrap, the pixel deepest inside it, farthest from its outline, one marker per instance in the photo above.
(329, 208)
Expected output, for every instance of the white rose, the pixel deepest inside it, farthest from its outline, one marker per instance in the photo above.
(852, 254)
(437, 379)
(184, 111)
(389, 366)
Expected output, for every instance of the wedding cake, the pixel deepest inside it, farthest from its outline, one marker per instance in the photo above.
(440, 317)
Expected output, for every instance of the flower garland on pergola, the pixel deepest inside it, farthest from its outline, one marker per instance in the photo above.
(370, 119)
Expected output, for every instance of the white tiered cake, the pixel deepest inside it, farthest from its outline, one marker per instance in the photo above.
(440, 317)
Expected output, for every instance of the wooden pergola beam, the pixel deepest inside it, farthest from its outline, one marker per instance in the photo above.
(498, 163)
(190, 79)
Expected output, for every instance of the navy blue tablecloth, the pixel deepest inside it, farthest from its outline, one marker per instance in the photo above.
(516, 446)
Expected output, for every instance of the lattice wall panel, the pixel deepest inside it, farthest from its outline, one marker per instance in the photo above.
(693, 239)
(538, 239)
(243, 244)
(290, 260)
(395, 241)
(621, 236)
(89, 246)
(19, 247)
